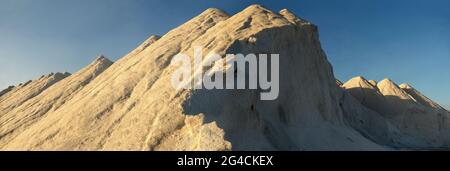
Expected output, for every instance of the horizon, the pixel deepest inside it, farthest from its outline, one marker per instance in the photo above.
(413, 49)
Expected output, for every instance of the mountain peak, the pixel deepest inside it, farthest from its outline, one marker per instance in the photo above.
(101, 60)
(357, 79)
(359, 82)
(100, 57)
(360, 78)
(387, 84)
(256, 8)
(291, 17)
(389, 88)
(386, 81)
(213, 12)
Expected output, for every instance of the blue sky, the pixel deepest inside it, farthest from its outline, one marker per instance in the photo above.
(406, 40)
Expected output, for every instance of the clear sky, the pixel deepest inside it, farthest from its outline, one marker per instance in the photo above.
(406, 40)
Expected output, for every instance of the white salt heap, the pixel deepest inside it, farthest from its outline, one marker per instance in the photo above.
(131, 105)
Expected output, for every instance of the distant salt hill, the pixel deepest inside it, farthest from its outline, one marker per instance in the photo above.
(405, 107)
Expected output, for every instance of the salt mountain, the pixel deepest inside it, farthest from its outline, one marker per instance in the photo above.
(130, 105)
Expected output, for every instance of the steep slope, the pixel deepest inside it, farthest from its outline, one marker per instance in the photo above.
(419, 97)
(29, 112)
(28, 90)
(307, 118)
(132, 105)
(117, 110)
